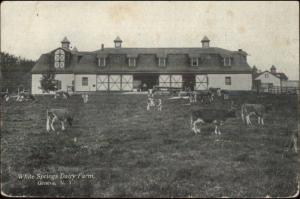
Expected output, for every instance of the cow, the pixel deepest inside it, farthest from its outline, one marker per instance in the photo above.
(85, 98)
(192, 97)
(206, 98)
(216, 116)
(61, 94)
(151, 102)
(258, 110)
(60, 114)
(24, 97)
(5, 97)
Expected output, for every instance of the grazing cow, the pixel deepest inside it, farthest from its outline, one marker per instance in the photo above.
(61, 94)
(85, 98)
(154, 103)
(218, 117)
(62, 115)
(259, 110)
(25, 97)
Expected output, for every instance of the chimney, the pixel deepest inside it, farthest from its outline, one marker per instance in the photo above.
(102, 46)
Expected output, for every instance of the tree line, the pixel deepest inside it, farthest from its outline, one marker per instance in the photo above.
(15, 71)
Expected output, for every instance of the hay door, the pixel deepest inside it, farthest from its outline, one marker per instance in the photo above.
(127, 82)
(176, 81)
(115, 82)
(164, 81)
(102, 82)
(201, 82)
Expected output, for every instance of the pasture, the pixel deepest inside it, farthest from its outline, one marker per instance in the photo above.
(119, 149)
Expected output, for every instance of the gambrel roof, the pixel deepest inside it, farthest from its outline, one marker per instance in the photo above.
(177, 61)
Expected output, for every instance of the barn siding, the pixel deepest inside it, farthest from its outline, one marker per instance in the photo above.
(91, 83)
(66, 80)
(238, 81)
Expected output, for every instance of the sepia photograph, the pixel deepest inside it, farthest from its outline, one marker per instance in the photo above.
(142, 99)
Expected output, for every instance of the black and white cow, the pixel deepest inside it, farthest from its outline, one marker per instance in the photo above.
(218, 117)
(258, 110)
(61, 115)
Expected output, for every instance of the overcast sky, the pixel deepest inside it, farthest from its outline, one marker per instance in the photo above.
(268, 31)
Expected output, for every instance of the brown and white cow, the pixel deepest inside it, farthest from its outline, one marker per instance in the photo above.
(218, 117)
(259, 110)
(60, 114)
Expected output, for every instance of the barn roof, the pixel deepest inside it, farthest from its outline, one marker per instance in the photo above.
(178, 61)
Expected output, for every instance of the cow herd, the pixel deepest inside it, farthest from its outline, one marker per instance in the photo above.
(213, 115)
(202, 115)
(197, 117)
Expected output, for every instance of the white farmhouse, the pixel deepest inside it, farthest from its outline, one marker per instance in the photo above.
(129, 69)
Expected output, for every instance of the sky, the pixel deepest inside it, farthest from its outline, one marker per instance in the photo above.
(267, 31)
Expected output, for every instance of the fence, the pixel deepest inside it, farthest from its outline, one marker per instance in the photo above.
(279, 90)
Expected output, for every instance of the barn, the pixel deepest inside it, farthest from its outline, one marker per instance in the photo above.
(132, 69)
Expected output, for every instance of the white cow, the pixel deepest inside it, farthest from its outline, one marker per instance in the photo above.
(62, 115)
(85, 98)
(154, 103)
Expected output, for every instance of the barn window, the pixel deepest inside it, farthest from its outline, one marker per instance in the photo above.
(227, 80)
(227, 61)
(161, 62)
(101, 61)
(266, 75)
(194, 62)
(132, 62)
(85, 81)
(59, 59)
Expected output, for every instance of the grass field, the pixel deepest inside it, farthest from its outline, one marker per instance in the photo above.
(125, 151)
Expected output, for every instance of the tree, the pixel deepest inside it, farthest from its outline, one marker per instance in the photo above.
(48, 82)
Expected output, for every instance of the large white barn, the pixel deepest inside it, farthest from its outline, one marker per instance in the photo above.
(129, 69)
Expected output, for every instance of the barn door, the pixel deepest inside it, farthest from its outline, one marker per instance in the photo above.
(176, 81)
(164, 80)
(201, 82)
(115, 82)
(102, 82)
(127, 82)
